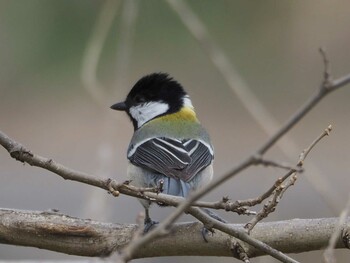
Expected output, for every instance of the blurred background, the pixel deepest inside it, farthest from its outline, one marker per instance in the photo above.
(63, 63)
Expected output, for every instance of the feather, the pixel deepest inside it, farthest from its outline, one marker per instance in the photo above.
(173, 158)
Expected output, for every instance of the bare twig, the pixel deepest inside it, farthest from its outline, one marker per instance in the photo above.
(258, 200)
(227, 205)
(280, 188)
(272, 163)
(340, 82)
(268, 208)
(291, 181)
(306, 151)
(327, 71)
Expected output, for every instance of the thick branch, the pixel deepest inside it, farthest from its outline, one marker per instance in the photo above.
(85, 237)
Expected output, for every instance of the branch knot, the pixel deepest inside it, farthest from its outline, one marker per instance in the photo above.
(20, 153)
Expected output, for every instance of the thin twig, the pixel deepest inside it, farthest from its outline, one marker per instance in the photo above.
(272, 163)
(281, 188)
(258, 200)
(227, 205)
(327, 71)
(267, 209)
(306, 151)
(291, 181)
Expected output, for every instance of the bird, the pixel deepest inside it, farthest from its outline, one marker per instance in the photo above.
(168, 144)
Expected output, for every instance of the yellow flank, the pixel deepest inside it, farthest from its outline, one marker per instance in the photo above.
(185, 114)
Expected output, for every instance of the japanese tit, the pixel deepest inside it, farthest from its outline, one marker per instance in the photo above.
(168, 143)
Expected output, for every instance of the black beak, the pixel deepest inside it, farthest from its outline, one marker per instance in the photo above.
(121, 106)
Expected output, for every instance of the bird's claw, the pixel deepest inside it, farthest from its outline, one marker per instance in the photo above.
(205, 232)
(149, 223)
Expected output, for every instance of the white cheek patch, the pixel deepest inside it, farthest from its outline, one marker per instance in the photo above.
(147, 111)
(187, 102)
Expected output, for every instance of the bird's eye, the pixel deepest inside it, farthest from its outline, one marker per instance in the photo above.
(139, 99)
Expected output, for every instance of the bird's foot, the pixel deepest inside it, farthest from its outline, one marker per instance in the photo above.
(149, 224)
(214, 215)
(210, 231)
(206, 232)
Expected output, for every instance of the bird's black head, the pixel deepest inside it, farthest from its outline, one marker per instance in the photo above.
(152, 96)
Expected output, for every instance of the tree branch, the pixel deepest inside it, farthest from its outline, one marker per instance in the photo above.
(84, 237)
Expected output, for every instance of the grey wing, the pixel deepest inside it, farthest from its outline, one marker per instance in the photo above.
(173, 158)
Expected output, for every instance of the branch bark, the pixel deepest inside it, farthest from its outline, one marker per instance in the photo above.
(85, 237)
